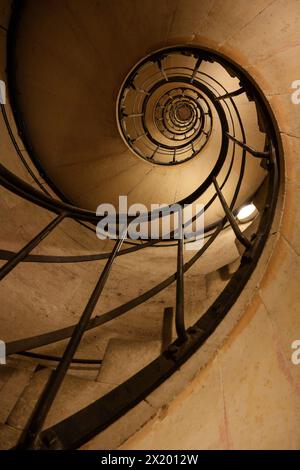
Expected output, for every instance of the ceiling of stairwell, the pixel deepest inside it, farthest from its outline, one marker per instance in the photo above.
(72, 58)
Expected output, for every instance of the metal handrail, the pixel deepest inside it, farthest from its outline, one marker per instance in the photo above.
(10, 132)
(231, 218)
(52, 358)
(34, 342)
(91, 420)
(31, 433)
(62, 434)
(179, 314)
(18, 257)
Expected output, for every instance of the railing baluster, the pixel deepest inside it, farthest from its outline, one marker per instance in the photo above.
(34, 342)
(161, 68)
(249, 149)
(230, 217)
(196, 68)
(29, 438)
(231, 94)
(18, 257)
(167, 328)
(179, 319)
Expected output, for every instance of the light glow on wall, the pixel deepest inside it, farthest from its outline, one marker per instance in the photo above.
(247, 213)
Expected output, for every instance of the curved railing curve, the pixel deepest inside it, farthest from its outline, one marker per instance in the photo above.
(182, 112)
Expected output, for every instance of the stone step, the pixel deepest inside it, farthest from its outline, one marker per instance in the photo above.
(14, 377)
(216, 281)
(124, 358)
(84, 371)
(5, 374)
(8, 436)
(195, 294)
(74, 394)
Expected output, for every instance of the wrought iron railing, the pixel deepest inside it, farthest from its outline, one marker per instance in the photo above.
(83, 425)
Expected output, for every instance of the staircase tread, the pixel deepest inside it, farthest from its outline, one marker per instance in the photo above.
(5, 374)
(8, 436)
(74, 394)
(124, 358)
(17, 380)
(119, 431)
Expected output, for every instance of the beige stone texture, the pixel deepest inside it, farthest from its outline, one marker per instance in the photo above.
(8, 437)
(123, 359)
(11, 391)
(75, 394)
(259, 382)
(240, 390)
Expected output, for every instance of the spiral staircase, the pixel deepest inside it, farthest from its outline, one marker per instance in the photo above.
(180, 123)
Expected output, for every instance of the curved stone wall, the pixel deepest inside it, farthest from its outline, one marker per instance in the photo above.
(240, 391)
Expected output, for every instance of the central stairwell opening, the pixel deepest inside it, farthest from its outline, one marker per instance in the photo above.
(188, 126)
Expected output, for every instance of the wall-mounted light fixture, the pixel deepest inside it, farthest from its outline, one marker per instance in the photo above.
(247, 213)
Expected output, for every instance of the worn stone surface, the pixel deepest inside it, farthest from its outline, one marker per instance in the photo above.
(91, 163)
(249, 394)
(5, 374)
(74, 394)
(256, 38)
(123, 359)
(283, 309)
(11, 391)
(292, 216)
(121, 429)
(195, 421)
(258, 390)
(8, 437)
(261, 386)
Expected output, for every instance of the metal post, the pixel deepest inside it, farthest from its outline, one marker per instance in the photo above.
(18, 257)
(249, 149)
(179, 319)
(29, 439)
(239, 235)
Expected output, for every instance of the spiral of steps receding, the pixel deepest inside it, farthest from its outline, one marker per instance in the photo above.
(92, 163)
(116, 113)
(23, 378)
